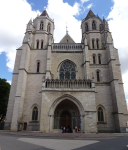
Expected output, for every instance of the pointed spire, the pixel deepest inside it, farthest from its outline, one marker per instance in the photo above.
(90, 14)
(44, 13)
(30, 22)
(66, 29)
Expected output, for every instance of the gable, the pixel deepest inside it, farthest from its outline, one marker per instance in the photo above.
(67, 39)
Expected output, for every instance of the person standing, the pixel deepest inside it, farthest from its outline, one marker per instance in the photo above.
(76, 129)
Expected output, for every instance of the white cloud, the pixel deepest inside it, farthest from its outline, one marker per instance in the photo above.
(89, 6)
(84, 1)
(9, 82)
(12, 27)
(62, 13)
(119, 27)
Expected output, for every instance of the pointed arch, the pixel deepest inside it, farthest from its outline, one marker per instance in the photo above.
(67, 70)
(41, 25)
(93, 43)
(49, 28)
(35, 112)
(37, 44)
(38, 65)
(100, 113)
(98, 75)
(99, 58)
(94, 58)
(97, 43)
(86, 27)
(42, 44)
(69, 97)
(93, 25)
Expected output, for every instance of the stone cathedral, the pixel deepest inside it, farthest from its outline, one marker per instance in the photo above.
(67, 84)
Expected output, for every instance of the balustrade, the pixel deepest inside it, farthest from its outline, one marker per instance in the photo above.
(68, 84)
(65, 47)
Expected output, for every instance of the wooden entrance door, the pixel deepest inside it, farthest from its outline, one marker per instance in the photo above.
(65, 119)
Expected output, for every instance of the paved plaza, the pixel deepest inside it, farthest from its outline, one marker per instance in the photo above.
(43, 141)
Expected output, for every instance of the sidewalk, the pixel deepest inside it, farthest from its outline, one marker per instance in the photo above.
(83, 135)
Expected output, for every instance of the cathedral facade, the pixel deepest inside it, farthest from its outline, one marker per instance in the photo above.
(67, 84)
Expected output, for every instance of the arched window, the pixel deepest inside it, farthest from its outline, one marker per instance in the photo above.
(93, 25)
(38, 66)
(94, 59)
(41, 25)
(68, 70)
(35, 114)
(86, 27)
(97, 43)
(98, 76)
(41, 44)
(100, 114)
(49, 28)
(99, 59)
(37, 44)
(93, 44)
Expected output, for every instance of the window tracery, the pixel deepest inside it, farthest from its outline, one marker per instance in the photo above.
(41, 25)
(67, 70)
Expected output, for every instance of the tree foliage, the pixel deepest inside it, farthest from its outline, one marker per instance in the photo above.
(4, 96)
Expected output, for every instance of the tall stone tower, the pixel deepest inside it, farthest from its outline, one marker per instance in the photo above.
(67, 84)
(102, 64)
(32, 55)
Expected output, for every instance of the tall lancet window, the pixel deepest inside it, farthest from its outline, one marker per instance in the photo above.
(93, 44)
(94, 59)
(98, 76)
(93, 25)
(68, 70)
(41, 25)
(49, 28)
(99, 58)
(35, 114)
(86, 27)
(97, 43)
(100, 114)
(37, 44)
(38, 66)
(41, 44)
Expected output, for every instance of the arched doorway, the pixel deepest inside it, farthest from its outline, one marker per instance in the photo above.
(66, 115)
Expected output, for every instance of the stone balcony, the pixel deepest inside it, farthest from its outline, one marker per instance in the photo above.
(67, 47)
(68, 85)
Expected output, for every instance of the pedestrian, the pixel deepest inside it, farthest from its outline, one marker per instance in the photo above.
(76, 129)
(63, 129)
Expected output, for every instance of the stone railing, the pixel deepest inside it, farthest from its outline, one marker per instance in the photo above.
(68, 84)
(60, 47)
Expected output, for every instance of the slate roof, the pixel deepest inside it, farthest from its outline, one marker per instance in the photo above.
(44, 13)
(90, 15)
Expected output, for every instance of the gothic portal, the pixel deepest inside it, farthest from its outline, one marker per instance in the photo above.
(67, 84)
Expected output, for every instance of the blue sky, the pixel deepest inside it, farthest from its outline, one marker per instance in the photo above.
(12, 29)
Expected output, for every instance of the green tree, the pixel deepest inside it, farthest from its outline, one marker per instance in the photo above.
(4, 96)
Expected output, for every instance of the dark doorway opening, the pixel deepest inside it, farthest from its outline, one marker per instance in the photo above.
(66, 115)
(65, 119)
